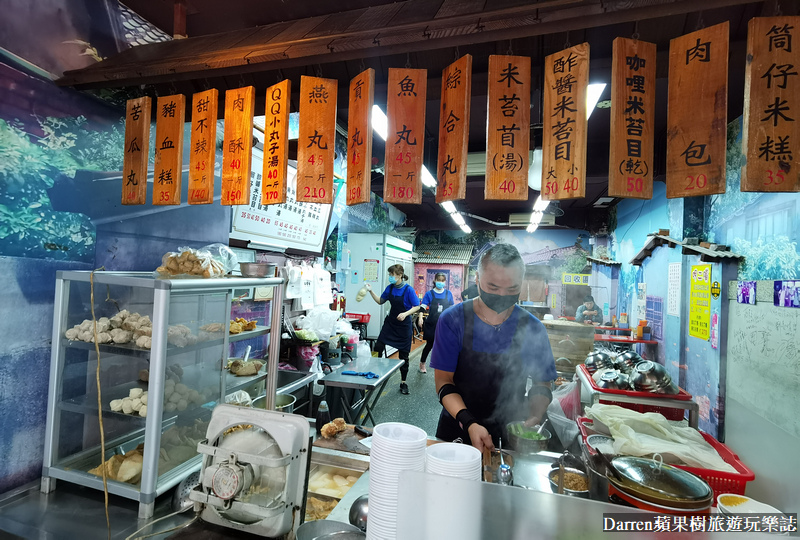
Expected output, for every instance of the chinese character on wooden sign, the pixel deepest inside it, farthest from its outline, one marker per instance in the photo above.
(137, 147)
(203, 147)
(168, 173)
(454, 130)
(633, 92)
(315, 146)
(405, 111)
(566, 75)
(771, 134)
(237, 145)
(508, 128)
(276, 143)
(359, 137)
(697, 112)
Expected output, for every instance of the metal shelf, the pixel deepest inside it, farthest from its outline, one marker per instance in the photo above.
(259, 331)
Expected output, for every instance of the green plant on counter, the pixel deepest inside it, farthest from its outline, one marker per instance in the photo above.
(774, 259)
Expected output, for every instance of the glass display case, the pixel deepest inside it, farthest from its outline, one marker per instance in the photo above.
(163, 348)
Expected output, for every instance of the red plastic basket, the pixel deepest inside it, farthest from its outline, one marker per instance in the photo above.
(360, 317)
(720, 481)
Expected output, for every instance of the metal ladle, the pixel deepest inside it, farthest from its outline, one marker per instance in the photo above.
(541, 427)
(504, 475)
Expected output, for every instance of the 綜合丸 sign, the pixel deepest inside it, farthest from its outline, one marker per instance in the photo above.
(454, 130)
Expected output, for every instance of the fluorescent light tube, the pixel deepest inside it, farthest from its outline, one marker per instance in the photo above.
(427, 178)
(540, 205)
(593, 93)
(458, 219)
(380, 124)
(449, 207)
(466, 229)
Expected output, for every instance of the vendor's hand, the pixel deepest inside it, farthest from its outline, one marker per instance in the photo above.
(368, 287)
(532, 421)
(480, 438)
(401, 317)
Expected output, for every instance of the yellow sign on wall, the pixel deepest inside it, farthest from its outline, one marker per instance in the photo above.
(575, 279)
(700, 302)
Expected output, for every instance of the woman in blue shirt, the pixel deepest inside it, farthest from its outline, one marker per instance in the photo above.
(434, 302)
(397, 329)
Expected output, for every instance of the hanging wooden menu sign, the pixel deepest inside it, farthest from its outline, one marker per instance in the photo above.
(137, 147)
(633, 92)
(508, 128)
(566, 75)
(771, 134)
(276, 143)
(697, 113)
(454, 130)
(315, 147)
(168, 171)
(202, 151)
(359, 137)
(237, 145)
(405, 111)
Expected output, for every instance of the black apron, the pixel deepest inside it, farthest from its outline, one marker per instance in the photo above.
(492, 385)
(436, 307)
(396, 333)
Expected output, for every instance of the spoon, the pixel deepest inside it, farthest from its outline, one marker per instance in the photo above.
(504, 475)
(246, 354)
(541, 427)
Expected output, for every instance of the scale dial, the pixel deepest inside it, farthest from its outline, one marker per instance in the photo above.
(227, 481)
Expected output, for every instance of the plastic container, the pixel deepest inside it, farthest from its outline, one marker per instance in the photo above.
(360, 317)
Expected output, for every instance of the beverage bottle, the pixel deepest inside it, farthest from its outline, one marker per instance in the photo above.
(323, 416)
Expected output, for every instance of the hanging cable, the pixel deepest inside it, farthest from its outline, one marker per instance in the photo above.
(567, 44)
(100, 401)
(408, 60)
(635, 35)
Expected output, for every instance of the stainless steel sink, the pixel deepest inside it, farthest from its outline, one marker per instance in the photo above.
(290, 381)
(531, 470)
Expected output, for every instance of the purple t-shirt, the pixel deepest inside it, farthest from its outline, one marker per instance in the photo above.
(410, 298)
(537, 356)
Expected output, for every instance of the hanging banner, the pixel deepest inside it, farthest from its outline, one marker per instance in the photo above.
(315, 146)
(700, 302)
(137, 147)
(168, 171)
(359, 137)
(454, 130)
(566, 75)
(202, 151)
(771, 132)
(405, 110)
(633, 97)
(276, 143)
(237, 146)
(508, 128)
(697, 113)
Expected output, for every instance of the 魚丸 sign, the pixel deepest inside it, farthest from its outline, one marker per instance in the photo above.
(315, 145)
(359, 137)
(405, 113)
(575, 279)
(772, 87)
(700, 301)
(203, 147)
(454, 130)
(697, 113)
(276, 143)
(168, 171)
(237, 145)
(633, 93)
(566, 75)
(137, 147)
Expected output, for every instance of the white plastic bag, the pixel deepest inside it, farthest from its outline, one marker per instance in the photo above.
(316, 369)
(294, 274)
(323, 294)
(563, 410)
(321, 321)
(240, 397)
(363, 350)
(307, 286)
(211, 261)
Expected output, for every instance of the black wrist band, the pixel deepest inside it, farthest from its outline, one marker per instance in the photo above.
(465, 418)
(445, 390)
(538, 390)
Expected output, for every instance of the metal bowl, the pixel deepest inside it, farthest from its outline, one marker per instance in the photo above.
(627, 361)
(256, 269)
(553, 477)
(527, 446)
(597, 361)
(359, 512)
(614, 380)
(650, 377)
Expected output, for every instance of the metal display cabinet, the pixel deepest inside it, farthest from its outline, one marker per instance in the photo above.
(170, 430)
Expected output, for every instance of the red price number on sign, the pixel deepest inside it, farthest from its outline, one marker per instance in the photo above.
(700, 181)
(508, 186)
(635, 184)
(403, 157)
(355, 192)
(314, 193)
(447, 190)
(164, 196)
(236, 164)
(774, 178)
(198, 194)
(271, 195)
(551, 188)
(131, 195)
(402, 192)
(571, 185)
(201, 166)
(272, 174)
(233, 196)
(315, 159)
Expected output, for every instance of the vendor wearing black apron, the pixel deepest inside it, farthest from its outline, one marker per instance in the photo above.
(434, 302)
(397, 327)
(485, 350)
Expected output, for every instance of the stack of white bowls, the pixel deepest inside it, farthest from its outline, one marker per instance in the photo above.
(453, 459)
(395, 447)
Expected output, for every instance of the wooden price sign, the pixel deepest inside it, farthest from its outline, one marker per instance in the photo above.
(697, 113)
(168, 173)
(508, 128)
(359, 137)
(276, 143)
(566, 75)
(633, 93)
(237, 145)
(315, 147)
(454, 130)
(405, 110)
(772, 92)
(137, 146)
(202, 151)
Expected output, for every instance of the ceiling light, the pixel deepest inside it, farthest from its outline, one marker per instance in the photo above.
(531, 228)
(428, 179)
(593, 93)
(380, 124)
(535, 170)
(536, 217)
(602, 201)
(458, 219)
(466, 229)
(540, 205)
(449, 207)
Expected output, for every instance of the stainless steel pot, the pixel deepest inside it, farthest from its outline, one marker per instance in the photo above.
(283, 403)
(325, 529)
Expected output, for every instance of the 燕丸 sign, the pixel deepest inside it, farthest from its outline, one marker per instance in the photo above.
(276, 143)
(405, 111)
(203, 147)
(237, 145)
(315, 145)
(137, 147)
(772, 87)
(168, 171)
(454, 130)
(697, 113)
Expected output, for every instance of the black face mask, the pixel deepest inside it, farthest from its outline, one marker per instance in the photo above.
(498, 302)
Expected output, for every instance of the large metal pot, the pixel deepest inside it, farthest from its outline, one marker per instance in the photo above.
(659, 484)
(324, 529)
(283, 403)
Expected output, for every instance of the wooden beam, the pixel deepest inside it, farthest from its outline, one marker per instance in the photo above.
(179, 20)
(148, 64)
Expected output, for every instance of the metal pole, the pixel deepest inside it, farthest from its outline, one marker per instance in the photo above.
(274, 349)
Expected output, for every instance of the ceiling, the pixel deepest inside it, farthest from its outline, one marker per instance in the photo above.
(214, 24)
